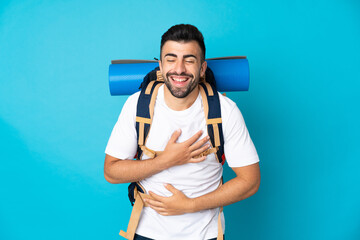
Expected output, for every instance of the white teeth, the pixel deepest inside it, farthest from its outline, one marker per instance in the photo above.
(179, 79)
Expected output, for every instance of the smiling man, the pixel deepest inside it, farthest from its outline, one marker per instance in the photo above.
(182, 72)
(183, 183)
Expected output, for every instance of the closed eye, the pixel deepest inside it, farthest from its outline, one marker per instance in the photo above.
(170, 59)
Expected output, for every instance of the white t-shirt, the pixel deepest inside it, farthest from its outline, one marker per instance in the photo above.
(193, 179)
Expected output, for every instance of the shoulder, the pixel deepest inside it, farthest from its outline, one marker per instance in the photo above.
(132, 99)
(230, 113)
(129, 108)
(227, 105)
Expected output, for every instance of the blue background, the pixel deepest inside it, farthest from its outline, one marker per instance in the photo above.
(56, 113)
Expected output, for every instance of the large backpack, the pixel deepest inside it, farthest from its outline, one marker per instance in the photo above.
(144, 115)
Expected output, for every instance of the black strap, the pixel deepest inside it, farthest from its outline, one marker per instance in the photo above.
(215, 112)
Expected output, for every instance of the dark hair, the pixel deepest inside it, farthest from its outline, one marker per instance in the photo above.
(185, 33)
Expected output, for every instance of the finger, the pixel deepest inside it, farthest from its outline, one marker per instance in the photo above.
(199, 143)
(200, 150)
(171, 188)
(197, 160)
(164, 213)
(174, 137)
(194, 138)
(156, 197)
(153, 203)
(158, 209)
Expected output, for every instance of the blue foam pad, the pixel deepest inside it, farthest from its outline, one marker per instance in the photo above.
(231, 74)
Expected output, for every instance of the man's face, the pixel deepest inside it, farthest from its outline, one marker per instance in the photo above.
(181, 66)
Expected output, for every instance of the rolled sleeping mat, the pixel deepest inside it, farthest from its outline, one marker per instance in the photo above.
(231, 74)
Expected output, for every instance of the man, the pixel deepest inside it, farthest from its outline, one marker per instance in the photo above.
(185, 191)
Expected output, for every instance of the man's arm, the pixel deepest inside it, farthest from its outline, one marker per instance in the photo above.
(124, 171)
(244, 185)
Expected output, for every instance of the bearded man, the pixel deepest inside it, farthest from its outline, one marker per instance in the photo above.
(184, 186)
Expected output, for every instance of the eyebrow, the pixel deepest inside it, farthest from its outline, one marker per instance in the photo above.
(170, 55)
(189, 55)
(185, 56)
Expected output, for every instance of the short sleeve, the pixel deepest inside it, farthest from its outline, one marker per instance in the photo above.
(238, 146)
(122, 143)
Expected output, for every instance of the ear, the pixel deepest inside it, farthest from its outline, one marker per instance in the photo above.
(203, 69)
(160, 66)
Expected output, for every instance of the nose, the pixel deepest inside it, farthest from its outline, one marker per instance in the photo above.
(180, 67)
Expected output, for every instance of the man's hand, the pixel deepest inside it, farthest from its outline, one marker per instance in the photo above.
(245, 184)
(176, 204)
(127, 170)
(185, 152)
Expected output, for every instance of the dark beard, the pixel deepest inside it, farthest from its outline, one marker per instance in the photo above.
(181, 93)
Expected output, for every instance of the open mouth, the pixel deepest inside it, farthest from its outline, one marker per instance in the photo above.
(179, 78)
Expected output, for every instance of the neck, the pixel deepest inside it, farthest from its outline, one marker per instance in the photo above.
(180, 104)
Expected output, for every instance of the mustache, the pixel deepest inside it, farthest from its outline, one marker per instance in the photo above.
(181, 74)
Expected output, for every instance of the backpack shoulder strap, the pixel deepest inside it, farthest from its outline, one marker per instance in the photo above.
(145, 111)
(212, 111)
